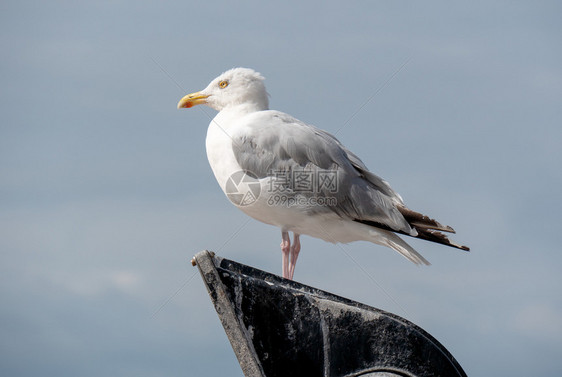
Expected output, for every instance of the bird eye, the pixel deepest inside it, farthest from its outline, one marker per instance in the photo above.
(223, 84)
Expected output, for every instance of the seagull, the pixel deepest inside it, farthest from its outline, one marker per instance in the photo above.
(284, 172)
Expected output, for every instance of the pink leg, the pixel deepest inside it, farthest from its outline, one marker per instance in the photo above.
(285, 249)
(295, 249)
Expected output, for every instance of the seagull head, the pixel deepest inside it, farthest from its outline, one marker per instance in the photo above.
(238, 86)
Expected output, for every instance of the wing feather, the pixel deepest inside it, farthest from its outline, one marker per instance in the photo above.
(276, 142)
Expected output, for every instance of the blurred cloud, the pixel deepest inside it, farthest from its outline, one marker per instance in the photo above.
(539, 321)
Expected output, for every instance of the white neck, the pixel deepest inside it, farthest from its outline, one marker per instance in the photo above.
(245, 108)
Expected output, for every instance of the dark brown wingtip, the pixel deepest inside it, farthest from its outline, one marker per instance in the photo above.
(432, 225)
(449, 229)
(422, 221)
(460, 247)
(438, 237)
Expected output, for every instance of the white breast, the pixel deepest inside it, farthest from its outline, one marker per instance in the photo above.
(219, 148)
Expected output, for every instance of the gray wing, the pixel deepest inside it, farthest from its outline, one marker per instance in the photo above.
(276, 144)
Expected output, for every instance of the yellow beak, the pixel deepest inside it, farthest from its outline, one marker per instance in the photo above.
(192, 99)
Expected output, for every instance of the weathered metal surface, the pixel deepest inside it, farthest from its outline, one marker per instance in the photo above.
(280, 328)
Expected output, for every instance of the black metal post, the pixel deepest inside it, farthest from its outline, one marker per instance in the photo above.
(279, 327)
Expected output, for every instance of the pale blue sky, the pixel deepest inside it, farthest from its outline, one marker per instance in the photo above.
(106, 193)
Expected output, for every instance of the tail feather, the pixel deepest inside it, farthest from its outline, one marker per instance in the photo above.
(390, 239)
